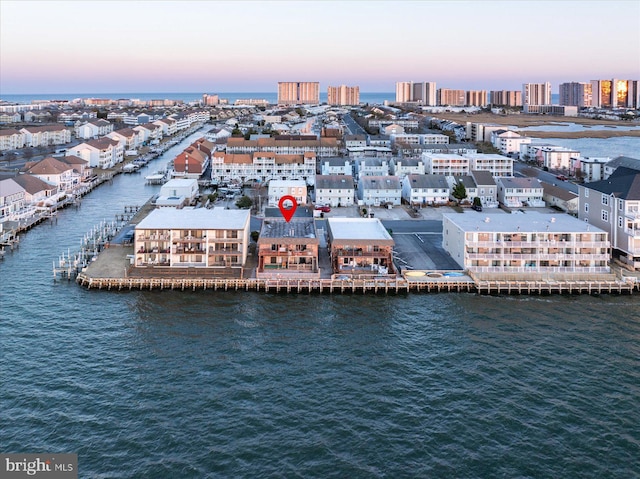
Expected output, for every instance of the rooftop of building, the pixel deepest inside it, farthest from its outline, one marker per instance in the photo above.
(347, 230)
(529, 222)
(334, 181)
(298, 230)
(196, 219)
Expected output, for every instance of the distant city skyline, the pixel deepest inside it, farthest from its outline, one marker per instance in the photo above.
(246, 46)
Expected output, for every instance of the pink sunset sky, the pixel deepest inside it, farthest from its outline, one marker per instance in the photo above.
(218, 46)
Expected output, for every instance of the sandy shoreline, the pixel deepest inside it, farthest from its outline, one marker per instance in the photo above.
(523, 121)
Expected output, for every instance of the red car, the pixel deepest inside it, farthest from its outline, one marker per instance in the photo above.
(324, 208)
(562, 178)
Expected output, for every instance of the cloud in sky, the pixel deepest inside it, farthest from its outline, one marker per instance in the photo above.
(115, 46)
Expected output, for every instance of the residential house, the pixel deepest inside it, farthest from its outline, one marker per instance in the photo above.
(12, 200)
(533, 242)
(422, 190)
(620, 162)
(128, 138)
(37, 191)
(337, 166)
(613, 205)
(191, 163)
(46, 135)
(560, 198)
(371, 167)
(360, 246)
(7, 117)
(370, 152)
(101, 153)
(286, 145)
(80, 166)
(486, 187)
(508, 142)
(210, 241)
(36, 116)
(379, 190)
(407, 166)
(355, 141)
(93, 129)
(416, 151)
(280, 188)
(589, 169)
(334, 190)
(169, 126)
(11, 139)
(555, 158)
(177, 193)
(56, 172)
(518, 192)
(288, 249)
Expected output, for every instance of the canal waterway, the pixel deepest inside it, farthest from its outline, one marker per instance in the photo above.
(168, 384)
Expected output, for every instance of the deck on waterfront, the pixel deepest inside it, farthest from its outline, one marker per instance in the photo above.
(112, 271)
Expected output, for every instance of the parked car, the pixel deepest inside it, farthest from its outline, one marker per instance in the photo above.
(562, 178)
(324, 208)
(476, 207)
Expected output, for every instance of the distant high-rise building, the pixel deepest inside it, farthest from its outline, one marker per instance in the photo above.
(506, 97)
(575, 94)
(343, 95)
(536, 94)
(615, 93)
(210, 100)
(477, 98)
(419, 92)
(298, 93)
(446, 96)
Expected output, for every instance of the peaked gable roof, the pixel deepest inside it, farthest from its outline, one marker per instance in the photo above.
(33, 184)
(49, 166)
(624, 183)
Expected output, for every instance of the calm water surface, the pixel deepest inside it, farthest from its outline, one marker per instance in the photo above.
(200, 384)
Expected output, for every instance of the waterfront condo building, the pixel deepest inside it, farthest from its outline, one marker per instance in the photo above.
(298, 93)
(477, 98)
(536, 94)
(615, 93)
(447, 96)
(505, 98)
(360, 246)
(213, 242)
(532, 242)
(288, 249)
(343, 95)
(614, 206)
(419, 92)
(576, 94)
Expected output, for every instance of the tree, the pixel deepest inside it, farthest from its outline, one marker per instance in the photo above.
(477, 201)
(255, 235)
(459, 191)
(244, 202)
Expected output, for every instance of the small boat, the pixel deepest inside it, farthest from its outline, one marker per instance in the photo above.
(130, 168)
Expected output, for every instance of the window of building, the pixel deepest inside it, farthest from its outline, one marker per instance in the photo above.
(620, 202)
(605, 216)
(586, 193)
(605, 199)
(620, 222)
(586, 207)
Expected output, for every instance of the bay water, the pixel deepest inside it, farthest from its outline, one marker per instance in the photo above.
(172, 384)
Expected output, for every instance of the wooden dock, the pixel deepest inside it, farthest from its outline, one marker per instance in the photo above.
(397, 285)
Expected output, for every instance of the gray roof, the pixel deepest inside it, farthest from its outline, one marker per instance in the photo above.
(347, 230)
(483, 178)
(516, 182)
(624, 161)
(529, 222)
(337, 161)
(380, 182)
(623, 183)
(334, 181)
(427, 181)
(467, 181)
(558, 192)
(406, 162)
(298, 230)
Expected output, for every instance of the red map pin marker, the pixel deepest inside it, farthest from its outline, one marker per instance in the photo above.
(287, 205)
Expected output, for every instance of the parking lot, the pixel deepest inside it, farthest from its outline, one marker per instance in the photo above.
(422, 251)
